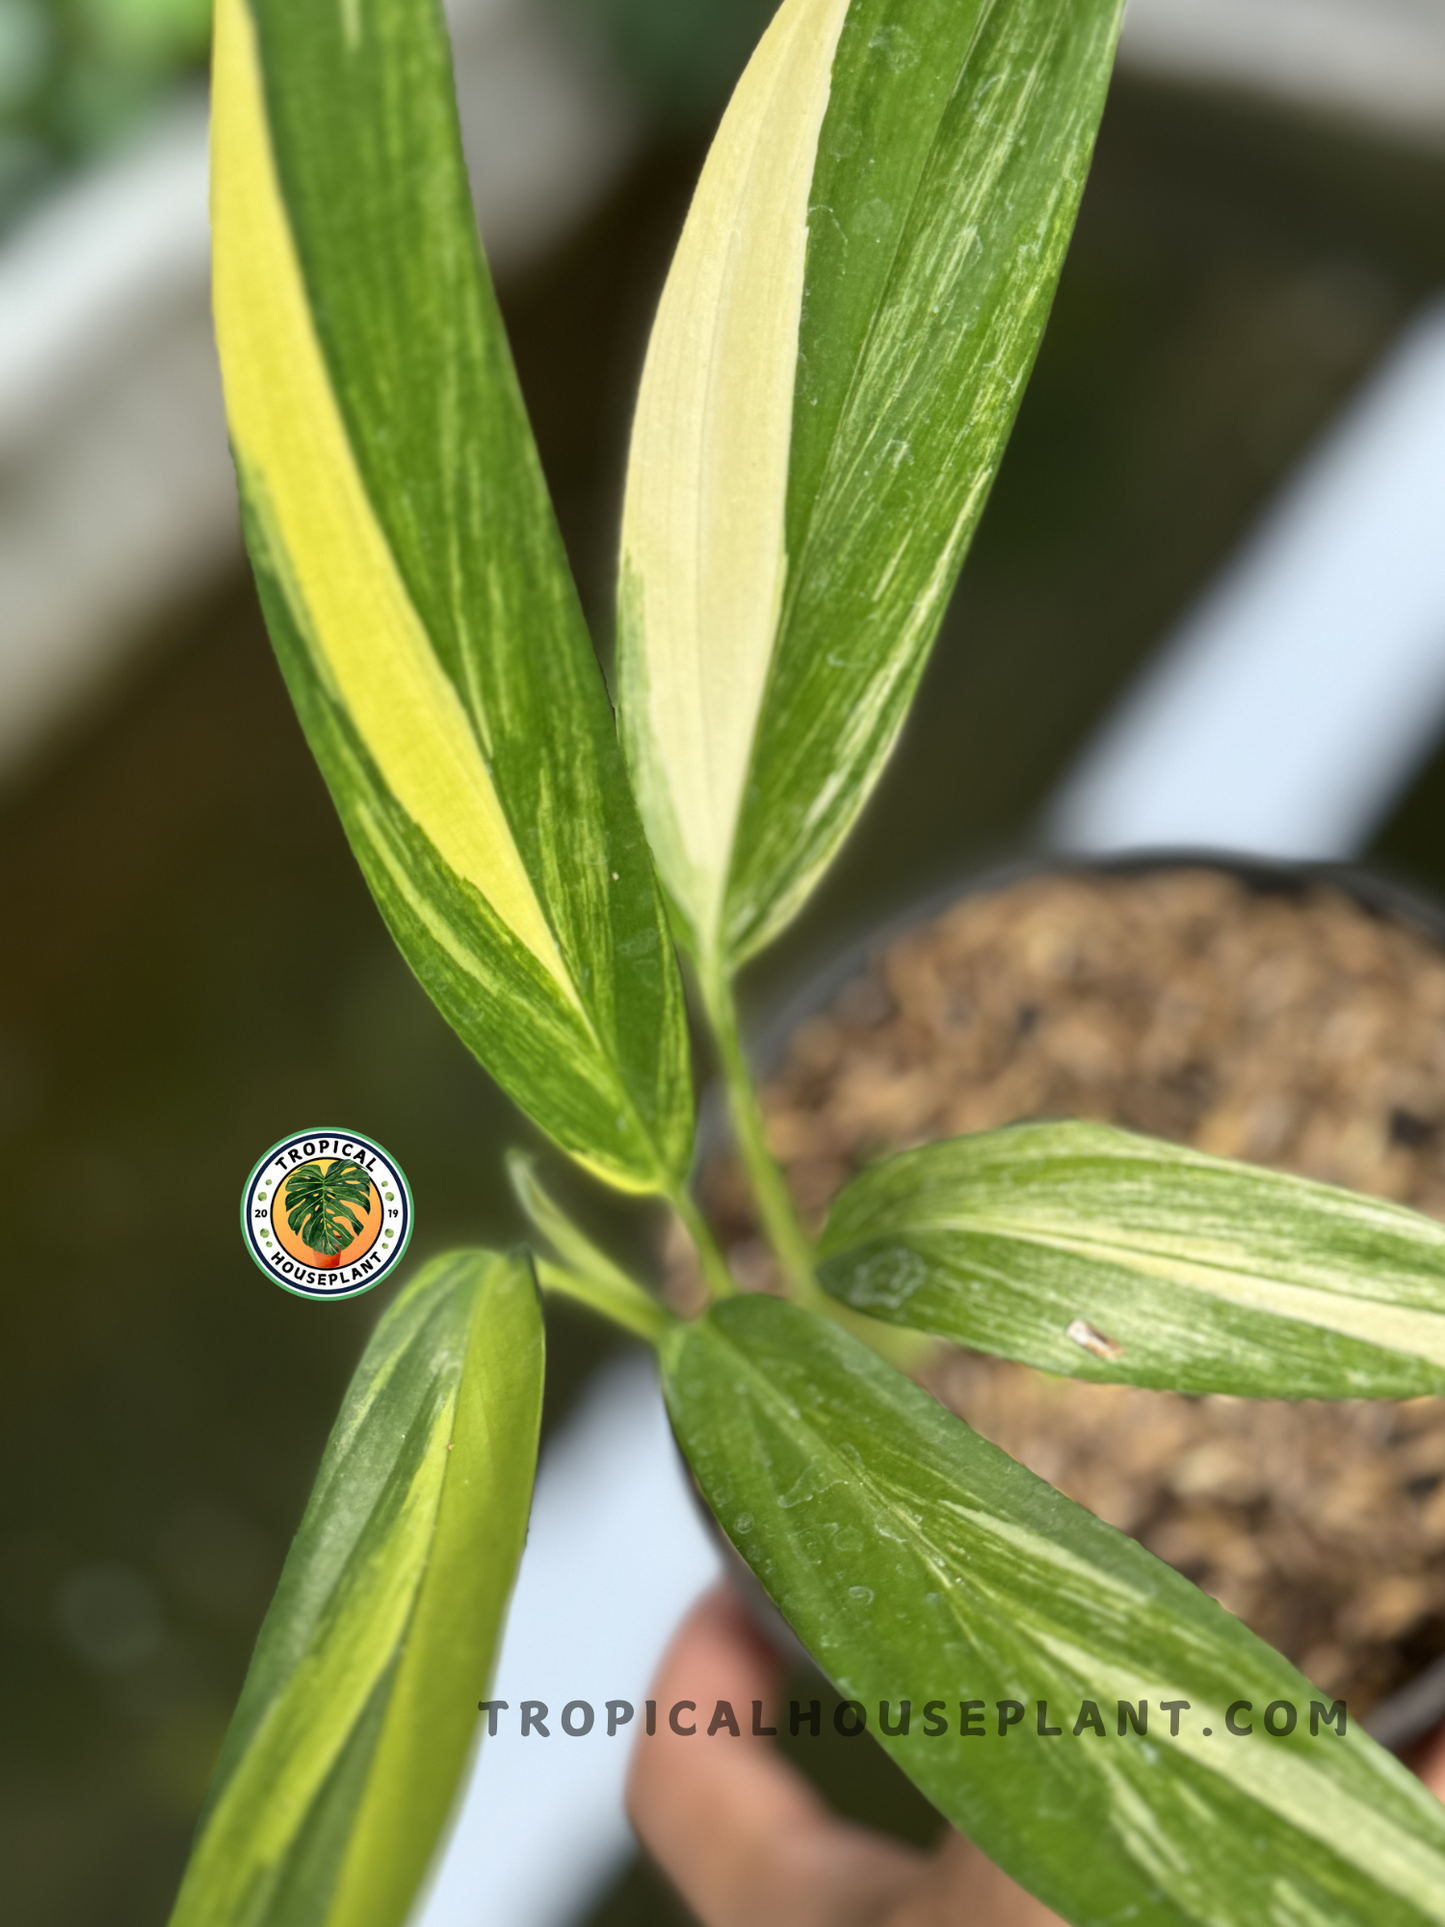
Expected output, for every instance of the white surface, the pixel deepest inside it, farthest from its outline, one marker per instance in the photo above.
(116, 493)
(83, 279)
(1292, 708)
(1380, 62)
(616, 1554)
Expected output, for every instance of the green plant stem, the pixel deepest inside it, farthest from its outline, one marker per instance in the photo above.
(714, 1266)
(632, 1309)
(905, 1349)
(774, 1200)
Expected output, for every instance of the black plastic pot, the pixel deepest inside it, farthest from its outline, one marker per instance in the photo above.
(1414, 1710)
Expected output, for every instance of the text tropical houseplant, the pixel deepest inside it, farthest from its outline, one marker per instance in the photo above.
(849, 323)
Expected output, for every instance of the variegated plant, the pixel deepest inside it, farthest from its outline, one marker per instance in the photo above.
(855, 304)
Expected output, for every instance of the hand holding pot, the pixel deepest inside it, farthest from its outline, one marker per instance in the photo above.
(748, 1843)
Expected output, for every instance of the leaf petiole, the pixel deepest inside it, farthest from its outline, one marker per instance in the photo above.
(624, 1304)
(774, 1201)
(580, 1269)
(905, 1349)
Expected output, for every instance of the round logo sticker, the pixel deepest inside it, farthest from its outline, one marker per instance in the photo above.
(326, 1214)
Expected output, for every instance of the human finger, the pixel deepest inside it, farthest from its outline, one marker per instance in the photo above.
(741, 1835)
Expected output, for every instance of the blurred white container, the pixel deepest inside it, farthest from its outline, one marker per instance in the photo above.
(1292, 706)
(1378, 62)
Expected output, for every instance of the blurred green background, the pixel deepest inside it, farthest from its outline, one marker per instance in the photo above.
(76, 76)
(172, 1000)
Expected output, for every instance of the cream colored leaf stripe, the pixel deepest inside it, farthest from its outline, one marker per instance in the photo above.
(703, 556)
(1394, 1327)
(306, 1731)
(350, 1732)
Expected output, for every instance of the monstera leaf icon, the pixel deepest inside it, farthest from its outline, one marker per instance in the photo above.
(319, 1204)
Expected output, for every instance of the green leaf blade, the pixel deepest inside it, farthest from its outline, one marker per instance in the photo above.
(1097, 1254)
(359, 1710)
(950, 168)
(915, 1560)
(841, 348)
(414, 580)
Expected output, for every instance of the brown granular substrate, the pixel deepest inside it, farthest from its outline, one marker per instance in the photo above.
(1294, 1028)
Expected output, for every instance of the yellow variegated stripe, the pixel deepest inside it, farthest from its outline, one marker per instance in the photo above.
(358, 1714)
(267, 1799)
(289, 435)
(702, 543)
(394, 1826)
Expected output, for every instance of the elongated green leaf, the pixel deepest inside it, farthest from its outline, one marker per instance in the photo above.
(414, 581)
(1103, 1255)
(843, 341)
(359, 1711)
(918, 1562)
